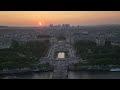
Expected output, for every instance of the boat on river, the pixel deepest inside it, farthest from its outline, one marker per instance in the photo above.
(115, 69)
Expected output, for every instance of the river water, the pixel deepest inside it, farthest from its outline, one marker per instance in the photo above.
(41, 75)
(93, 75)
(74, 75)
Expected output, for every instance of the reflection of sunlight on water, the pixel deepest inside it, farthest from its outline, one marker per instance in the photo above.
(61, 55)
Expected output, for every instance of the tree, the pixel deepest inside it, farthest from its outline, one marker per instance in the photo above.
(14, 44)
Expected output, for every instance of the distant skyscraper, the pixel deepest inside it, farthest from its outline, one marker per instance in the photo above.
(66, 25)
(51, 25)
(59, 25)
(63, 25)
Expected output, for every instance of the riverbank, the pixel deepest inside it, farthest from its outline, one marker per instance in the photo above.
(94, 68)
(48, 68)
(40, 68)
(22, 72)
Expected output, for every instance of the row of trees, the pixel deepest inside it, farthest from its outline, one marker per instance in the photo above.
(98, 55)
(22, 55)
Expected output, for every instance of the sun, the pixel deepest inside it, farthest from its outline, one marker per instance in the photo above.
(39, 23)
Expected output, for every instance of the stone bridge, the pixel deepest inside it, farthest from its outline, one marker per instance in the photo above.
(60, 67)
(60, 64)
(60, 71)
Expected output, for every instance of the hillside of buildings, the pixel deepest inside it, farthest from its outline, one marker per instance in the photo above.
(28, 44)
(3, 26)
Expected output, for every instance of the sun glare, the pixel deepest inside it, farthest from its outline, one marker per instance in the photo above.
(40, 24)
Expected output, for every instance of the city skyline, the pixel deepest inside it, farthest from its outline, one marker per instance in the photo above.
(45, 18)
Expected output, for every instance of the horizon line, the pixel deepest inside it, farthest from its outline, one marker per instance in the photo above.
(57, 24)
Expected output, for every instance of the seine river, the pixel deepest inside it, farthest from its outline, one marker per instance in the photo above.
(74, 75)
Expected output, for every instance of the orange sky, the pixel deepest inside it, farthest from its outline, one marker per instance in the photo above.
(33, 18)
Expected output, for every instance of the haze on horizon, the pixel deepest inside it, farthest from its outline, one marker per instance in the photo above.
(44, 18)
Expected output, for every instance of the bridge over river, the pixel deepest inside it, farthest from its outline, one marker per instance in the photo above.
(60, 64)
(60, 71)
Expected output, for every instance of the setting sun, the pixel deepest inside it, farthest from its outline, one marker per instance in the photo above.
(45, 18)
(40, 24)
